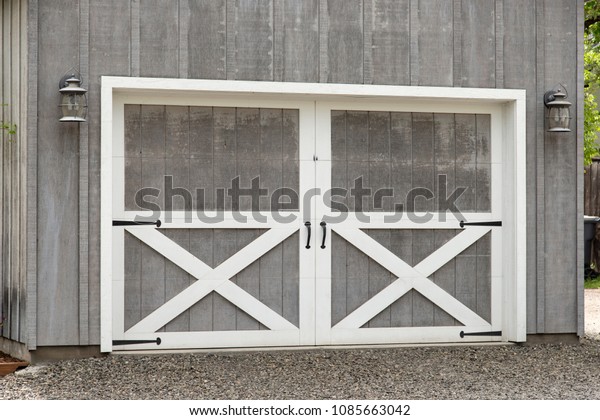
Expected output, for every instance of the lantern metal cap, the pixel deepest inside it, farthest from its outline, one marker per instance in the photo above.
(70, 83)
(555, 98)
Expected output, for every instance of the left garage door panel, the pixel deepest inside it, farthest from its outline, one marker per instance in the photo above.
(211, 275)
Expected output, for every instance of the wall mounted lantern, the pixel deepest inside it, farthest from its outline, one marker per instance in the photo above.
(74, 100)
(559, 114)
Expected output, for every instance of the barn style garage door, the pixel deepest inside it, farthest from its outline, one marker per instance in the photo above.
(247, 223)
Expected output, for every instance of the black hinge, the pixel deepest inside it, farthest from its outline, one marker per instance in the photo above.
(463, 223)
(134, 223)
(129, 342)
(481, 334)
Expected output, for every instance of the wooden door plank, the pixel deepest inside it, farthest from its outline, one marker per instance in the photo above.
(248, 279)
(379, 159)
(445, 277)
(159, 38)
(435, 43)
(253, 55)
(176, 279)
(300, 43)
(207, 39)
(224, 312)
(379, 278)
(202, 247)
(401, 243)
(478, 47)
(423, 248)
(466, 160)
(345, 41)
(390, 46)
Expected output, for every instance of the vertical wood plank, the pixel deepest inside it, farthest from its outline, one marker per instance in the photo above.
(133, 154)
(291, 282)
(159, 38)
(253, 40)
(499, 44)
(423, 308)
(224, 149)
(339, 276)
(540, 218)
(379, 278)
(466, 160)
(390, 46)
(31, 130)
(202, 247)
(520, 71)
(300, 41)
(201, 158)
(176, 279)
(401, 156)
(323, 41)
(445, 277)
(422, 161)
(484, 167)
(153, 151)
(357, 152)
(560, 183)
(248, 158)
(278, 35)
(133, 281)
(84, 181)
(224, 312)
(478, 43)
(357, 278)
(207, 38)
(436, 42)
(345, 41)
(250, 279)
(271, 154)
(58, 181)
(414, 42)
(290, 149)
(445, 155)
(484, 285)
(135, 37)
(111, 35)
(184, 31)
(457, 63)
(401, 311)
(379, 159)
(338, 156)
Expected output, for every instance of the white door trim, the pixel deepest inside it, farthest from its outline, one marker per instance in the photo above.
(116, 91)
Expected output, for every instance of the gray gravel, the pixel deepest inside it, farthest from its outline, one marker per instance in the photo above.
(485, 372)
(505, 372)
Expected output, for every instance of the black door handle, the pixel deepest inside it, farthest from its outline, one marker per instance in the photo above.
(324, 226)
(307, 224)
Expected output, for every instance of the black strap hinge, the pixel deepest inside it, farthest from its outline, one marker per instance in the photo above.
(481, 334)
(134, 223)
(130, 342)
(463, 223)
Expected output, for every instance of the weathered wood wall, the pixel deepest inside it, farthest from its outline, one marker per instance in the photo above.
(13, 292)
(523, 44)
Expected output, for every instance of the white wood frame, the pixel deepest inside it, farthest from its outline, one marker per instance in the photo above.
(506, 106)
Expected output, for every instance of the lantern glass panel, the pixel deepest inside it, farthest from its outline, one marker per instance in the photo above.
(74, 107)
(559, 118)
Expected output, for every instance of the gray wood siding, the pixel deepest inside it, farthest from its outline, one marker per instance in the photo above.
(500, 43)
(13, 155)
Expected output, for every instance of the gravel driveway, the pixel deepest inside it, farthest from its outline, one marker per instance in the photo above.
(484, 372)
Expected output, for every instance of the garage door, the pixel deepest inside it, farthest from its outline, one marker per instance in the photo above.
(251, 223)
